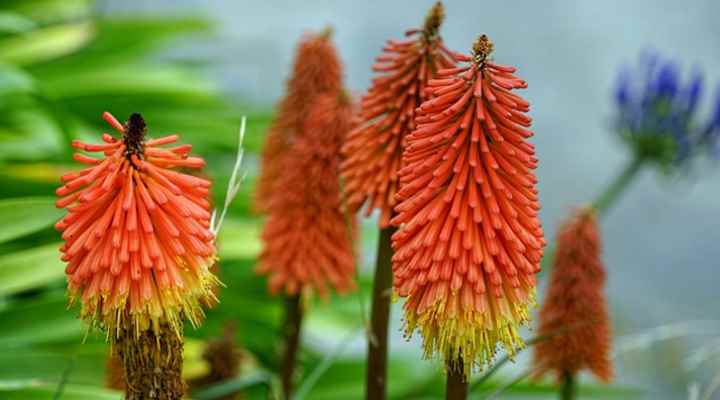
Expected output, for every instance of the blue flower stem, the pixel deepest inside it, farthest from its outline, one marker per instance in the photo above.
(604, 201)
(617, 187)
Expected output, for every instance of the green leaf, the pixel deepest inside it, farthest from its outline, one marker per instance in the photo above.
(258, 124)
(87, 362)
(29, 269)
(245, 300)
(239, 239)
(14, 384)
(15, 23)
(119, 41)
(321, 368)
(45, 44)
(46, 11)
(30, 179)
(31, 390)
(28, 133)
(14, 80)
(589, 391)
(128, 79)
(230, 386)
(46, 320)
(242, 205)
(22, 216)
(346, 379)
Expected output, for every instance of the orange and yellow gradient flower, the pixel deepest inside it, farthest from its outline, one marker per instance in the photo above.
(574, 315)
(373, 150)
(137, 239)
(469, 241)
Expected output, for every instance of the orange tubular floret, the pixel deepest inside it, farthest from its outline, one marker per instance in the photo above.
(373, 150)
(114, 123)
(469, 241)
(119, 211)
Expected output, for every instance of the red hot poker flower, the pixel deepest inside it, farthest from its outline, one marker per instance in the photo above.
(317, 70)
(373, 150)
(137, 243)
(470, 241)
(306, 239)
(574, 314)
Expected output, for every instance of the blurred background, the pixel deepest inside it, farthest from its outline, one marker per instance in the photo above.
(196, 67)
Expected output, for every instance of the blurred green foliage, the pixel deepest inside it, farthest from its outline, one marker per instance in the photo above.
(61, 66)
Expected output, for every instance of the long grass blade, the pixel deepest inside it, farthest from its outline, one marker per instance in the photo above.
(325, 364)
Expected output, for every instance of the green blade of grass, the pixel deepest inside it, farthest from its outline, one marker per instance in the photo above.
(22, 216)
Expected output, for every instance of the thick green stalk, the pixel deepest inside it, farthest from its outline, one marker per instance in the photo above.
(376, 376)
(152, 363)
(568, 388)
(457, 384)
(291, 342)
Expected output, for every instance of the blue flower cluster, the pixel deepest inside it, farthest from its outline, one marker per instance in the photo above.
(657, 111)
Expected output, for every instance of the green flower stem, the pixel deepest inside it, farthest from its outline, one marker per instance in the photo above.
(605, 200)
(291, 343)
(568, 388)
(376, 377)
(457, 384)
(617, 187)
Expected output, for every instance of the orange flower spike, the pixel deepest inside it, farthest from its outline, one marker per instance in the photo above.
(306, 245)
(137, 243)
(469, 241)
(373, 150)
(574, 314)
(316, 70)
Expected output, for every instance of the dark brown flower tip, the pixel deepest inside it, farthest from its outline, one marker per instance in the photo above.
(345, 97)
(433, 20)
(223, 355)
(134, 135)
(482, 48)
(327, 32)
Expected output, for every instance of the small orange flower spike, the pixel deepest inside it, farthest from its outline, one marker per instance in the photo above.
(137, 243)
(574, 315)
(373, 150)
(307, 243)
(317, 70)
(469, 241)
